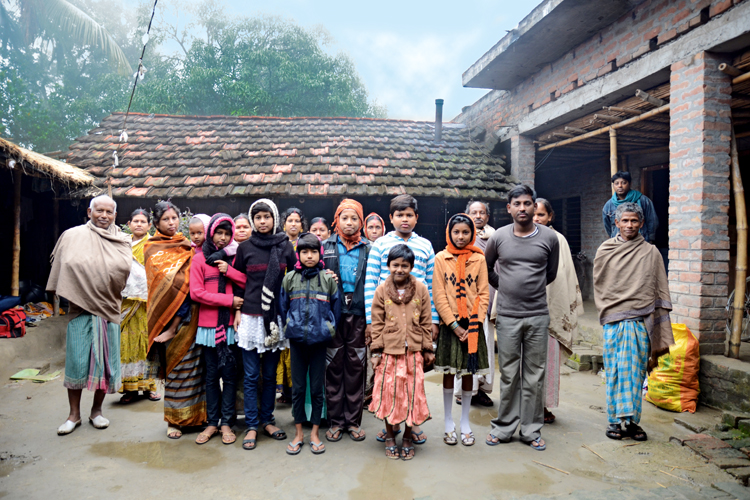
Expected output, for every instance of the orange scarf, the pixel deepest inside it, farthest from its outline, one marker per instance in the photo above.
(167, 262)
(463, 255)
(353, 240)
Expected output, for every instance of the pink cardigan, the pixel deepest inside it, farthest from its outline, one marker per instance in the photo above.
(204, 286)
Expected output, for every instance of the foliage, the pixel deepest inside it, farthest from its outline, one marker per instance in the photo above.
(57, 84)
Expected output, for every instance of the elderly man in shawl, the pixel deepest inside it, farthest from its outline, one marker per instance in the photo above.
(632, 295)
(90, 267)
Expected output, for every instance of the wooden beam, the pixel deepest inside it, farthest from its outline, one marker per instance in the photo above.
(16, 261)
(608, 118)
(729, 69)
(613, 153)
(644, 96)
(603, 130)
(563, 135)
(629, 111)
(576, 130)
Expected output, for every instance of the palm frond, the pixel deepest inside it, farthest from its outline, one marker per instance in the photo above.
(86, 30)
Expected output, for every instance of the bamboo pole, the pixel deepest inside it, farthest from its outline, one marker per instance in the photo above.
(629, 111)
(603, 130)
(16, 269)
(741, 78)
(729, 69)
(576, 130)
(613, 154)
(740, 274)
(56, 235)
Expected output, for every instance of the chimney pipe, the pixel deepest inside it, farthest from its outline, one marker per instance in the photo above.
(438, 120)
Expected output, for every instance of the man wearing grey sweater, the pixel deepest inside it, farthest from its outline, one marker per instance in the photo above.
(527, 255)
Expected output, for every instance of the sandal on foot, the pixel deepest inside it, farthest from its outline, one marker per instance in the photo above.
(99, 422)
(204, 437)
(128, 398)
(407, 452)
(493, 440)
(278, 435)
(380, 437)
(458, 400)
(174, 433)
(321, 448)
(467, 439)
(549, 417)
(284, 400)
(334, 434)
(250, 444)
(356, 433)
(228, 437)
(392, 452)
(153, 396)
(538, 444)
(614, 431)
(290, 448)
(635, 432)
(450, 438)
(68, 427)
(418, 437)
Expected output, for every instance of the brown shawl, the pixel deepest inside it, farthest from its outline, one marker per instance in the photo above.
(630, 282)
(90, 267)
(564, 299)
(168, 273)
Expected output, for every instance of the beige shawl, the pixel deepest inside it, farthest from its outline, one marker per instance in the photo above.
(564, 299)
(90, 267)
(630, 282)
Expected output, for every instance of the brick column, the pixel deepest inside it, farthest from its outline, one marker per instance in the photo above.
(522, 159)
(699, 144)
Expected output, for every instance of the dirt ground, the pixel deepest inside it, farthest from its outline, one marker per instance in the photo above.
(133, 457)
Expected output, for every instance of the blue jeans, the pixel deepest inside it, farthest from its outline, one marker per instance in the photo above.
(220, 404)
(257, 365)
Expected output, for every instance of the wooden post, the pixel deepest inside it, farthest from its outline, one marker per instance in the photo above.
(740, 275)
(56, 235)
(613, 154)
(17, 176)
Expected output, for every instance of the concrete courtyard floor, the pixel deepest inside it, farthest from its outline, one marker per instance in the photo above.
(134, 459)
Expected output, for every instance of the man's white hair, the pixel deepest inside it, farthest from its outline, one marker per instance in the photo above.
(102, 197)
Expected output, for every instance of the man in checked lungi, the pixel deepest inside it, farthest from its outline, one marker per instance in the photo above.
(632, 295)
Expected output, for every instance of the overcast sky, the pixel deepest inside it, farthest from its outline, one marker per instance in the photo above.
(408, 53)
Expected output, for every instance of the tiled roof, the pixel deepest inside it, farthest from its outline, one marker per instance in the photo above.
(217, 156)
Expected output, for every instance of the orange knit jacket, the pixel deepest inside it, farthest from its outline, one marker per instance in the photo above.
(444, 288)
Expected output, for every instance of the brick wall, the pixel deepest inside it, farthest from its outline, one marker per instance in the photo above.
(647, 28)
(699, 197)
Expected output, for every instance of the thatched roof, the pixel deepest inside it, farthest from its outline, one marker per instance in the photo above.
(36, 164)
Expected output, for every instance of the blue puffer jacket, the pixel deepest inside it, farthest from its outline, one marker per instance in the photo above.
(311, 307)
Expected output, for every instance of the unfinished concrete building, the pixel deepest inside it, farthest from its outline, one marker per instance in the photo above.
(582, 88)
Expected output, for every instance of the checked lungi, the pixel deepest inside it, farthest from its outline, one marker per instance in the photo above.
(626, 351)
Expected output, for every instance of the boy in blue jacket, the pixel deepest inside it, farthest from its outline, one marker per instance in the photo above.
(311, 304)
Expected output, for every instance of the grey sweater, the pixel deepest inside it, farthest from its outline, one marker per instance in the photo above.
(527, 266)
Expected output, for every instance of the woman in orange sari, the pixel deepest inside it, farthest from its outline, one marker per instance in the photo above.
(172, 325)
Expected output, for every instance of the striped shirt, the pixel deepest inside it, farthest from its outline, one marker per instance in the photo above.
(377, 267)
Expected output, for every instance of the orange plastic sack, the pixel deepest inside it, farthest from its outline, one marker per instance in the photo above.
(673, 384)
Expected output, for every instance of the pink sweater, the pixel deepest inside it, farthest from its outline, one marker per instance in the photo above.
(204, 289)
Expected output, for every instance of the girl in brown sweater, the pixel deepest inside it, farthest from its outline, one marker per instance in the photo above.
(401, 346)
(461, 291)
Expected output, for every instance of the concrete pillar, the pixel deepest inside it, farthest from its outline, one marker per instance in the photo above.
(699, 145)
(522, 159)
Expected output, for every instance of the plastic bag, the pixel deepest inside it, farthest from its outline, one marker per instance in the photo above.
(673, 384)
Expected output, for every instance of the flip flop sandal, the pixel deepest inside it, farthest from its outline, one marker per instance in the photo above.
(278, 435)
(491, 440)
(249, 444)
(408, 453)
(468, 439)
(380, 437)
(294, 444)
(174, 433)
(614, 431)
(549, 417)
(635, 432)
(393, 452)
(228, 437)
(153, 396)
(458, 400)
(418, 440)
(356, 433)
(335, 435)
(321, 448)
(204, 438)
(538, 446)
(450, 438)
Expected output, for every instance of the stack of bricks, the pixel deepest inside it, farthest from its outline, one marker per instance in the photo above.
(699, 148)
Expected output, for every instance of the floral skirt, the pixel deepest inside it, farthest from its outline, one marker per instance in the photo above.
(398, 395)
(452, 355)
